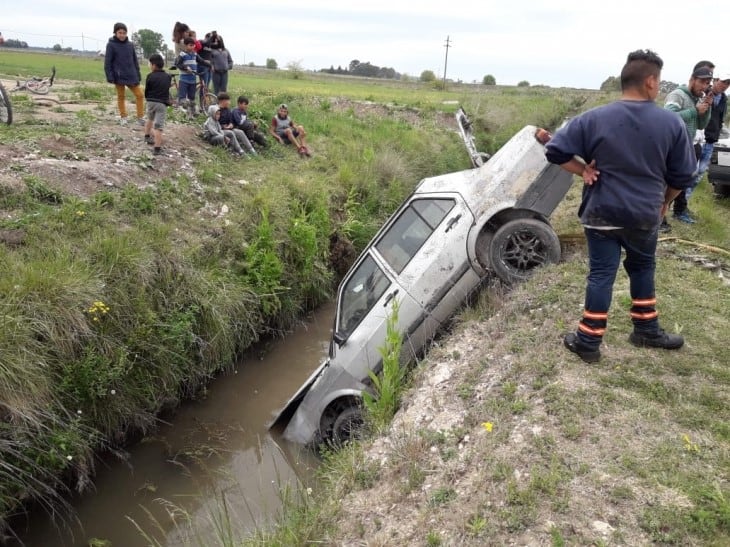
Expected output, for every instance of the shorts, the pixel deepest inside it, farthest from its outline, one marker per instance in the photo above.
(156, 112)
(286, 139)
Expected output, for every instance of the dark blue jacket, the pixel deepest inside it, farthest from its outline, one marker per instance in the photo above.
(719, 109)
(120, 63)
(639, 149)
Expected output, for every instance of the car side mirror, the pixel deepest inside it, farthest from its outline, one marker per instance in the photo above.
(339, 338)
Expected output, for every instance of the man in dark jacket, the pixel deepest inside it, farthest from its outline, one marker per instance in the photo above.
(714, 126)
(634, 158)
(122, 69)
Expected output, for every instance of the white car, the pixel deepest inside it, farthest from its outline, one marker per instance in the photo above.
(718, 172)
(448, 235)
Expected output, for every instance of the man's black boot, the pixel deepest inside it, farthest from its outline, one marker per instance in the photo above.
(573, 343)
(660, 339)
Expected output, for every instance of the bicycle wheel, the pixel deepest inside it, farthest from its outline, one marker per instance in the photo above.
(6, 109)
(207, 100)
(40, 88)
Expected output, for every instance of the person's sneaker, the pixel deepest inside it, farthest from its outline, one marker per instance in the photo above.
(148, 139)
(665, 227)
(659, 340)
(307, 152)
(122, 121)
(140, 121)
(684, 217)
(157, 151)
(588, 355)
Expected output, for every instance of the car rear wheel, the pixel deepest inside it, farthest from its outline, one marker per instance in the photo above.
(721, 190)
(519, 246)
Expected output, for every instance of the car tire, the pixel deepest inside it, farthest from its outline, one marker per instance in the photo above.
(519, 246)
(721, 190)
(341, 421)
(348, 425)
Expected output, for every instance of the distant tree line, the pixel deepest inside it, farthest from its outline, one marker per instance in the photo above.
(613, 83)
(11, 42)
(366, 70)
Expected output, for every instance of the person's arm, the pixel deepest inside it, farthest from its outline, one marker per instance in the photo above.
(230, 60)
(272, 130)
(108, 63)
(703, 118)
(136, 65)
(674, 103)
(200, 60)
(669, 195)
(587, 171)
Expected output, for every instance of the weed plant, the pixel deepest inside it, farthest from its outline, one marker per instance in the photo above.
(382, 405)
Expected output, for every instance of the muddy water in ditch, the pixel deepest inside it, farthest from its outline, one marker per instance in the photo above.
(215, 456)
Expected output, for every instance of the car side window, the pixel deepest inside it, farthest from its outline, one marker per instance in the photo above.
(410, 231)
(364, 288)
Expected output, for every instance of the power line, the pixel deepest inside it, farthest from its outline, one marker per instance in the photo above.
(80, 36)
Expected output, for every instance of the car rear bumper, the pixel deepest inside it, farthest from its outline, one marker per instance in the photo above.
(718, 172)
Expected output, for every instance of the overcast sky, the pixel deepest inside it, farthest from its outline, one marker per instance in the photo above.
(571, 43)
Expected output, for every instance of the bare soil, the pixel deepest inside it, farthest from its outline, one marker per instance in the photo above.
(106, 156)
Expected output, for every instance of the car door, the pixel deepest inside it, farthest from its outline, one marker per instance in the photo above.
(364, 303)
(426, 249)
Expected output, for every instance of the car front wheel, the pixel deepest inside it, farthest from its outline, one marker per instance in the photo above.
(519, 246)
(342, 421)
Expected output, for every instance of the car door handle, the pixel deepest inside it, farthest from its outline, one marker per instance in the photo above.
(390, 297)
(453, 222)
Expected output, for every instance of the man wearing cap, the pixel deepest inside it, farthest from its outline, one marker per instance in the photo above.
(693, 103)
(714, 126)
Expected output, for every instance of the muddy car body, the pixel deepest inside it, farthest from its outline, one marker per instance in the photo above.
(447, 236)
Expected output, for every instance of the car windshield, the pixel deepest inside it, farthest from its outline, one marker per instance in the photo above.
(364, 288)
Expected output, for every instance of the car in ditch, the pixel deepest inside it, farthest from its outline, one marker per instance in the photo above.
(452, 232)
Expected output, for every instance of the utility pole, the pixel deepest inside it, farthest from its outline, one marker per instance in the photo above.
(446, 60)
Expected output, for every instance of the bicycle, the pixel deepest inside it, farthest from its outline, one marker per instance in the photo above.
(6, 109)
(205, 97)
(40, 86)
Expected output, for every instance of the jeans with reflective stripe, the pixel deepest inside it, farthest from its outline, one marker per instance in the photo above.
(604, 255)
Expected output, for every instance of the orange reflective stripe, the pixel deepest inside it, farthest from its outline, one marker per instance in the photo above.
(647, 315)
(595, 315)
(644, 302)
(588, 330)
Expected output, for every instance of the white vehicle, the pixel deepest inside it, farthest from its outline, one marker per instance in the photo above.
(448, 235)
(718, 172)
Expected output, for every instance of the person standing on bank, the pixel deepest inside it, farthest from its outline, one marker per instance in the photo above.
(179, 33)
(122, 69)
(221, 63)
(634, 158)
(714, 126)
(157, 93)
(694, 106)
